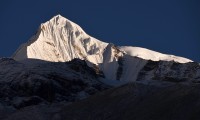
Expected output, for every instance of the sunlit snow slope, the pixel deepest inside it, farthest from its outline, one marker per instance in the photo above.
(152, 55)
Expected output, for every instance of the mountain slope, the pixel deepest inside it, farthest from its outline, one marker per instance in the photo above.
(131, 102)
(139, 102)
(34, 82)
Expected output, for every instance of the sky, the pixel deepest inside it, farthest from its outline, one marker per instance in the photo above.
(166, 26)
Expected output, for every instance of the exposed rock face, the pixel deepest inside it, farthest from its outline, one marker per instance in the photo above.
(170, 71)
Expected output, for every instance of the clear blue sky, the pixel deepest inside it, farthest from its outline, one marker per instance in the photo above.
(167, 26)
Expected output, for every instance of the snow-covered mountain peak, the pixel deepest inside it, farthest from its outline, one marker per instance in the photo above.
(59, 39)
(59, 21)
(57, 17)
